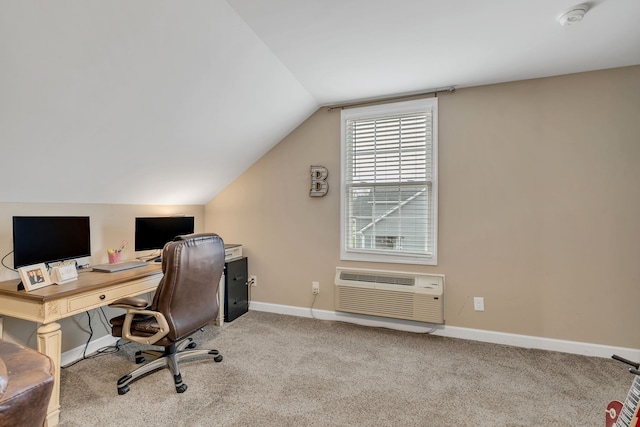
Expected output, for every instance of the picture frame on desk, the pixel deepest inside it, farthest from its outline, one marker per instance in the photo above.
(34, 277)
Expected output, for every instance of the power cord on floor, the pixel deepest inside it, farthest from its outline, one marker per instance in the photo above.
(102, 350)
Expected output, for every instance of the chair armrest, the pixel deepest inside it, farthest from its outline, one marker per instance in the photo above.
(129, 302)
(128, 318)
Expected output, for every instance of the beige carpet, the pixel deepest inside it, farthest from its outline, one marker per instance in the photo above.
(288, 371)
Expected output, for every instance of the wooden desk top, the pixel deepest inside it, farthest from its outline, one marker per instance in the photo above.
(87, 281)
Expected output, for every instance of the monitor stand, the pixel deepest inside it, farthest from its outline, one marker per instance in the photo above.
(21, 286)
(155, 259)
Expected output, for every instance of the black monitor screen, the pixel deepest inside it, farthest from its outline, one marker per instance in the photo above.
(44, 239)
(154, 233)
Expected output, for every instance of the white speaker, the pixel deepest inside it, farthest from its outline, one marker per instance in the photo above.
(64, 274)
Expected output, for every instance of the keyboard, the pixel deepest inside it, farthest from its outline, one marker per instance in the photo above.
(112, 268)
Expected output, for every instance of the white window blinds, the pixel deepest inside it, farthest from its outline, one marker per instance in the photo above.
(389, 176)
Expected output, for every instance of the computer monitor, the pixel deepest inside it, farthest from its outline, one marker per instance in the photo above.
(154, 232)
(47, 239)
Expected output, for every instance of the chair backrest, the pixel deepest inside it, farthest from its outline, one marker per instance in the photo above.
(187, 293)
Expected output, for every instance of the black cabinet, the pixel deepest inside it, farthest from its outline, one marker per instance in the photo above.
(236, 291)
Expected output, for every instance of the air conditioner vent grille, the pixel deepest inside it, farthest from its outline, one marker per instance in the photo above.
(370, 278)
(377, 302)
(399, 295)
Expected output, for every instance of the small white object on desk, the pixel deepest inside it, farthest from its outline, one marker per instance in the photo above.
(64, 274)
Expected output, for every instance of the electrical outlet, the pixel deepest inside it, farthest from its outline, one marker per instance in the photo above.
(315, 288)
(253, 280)
(478, 303)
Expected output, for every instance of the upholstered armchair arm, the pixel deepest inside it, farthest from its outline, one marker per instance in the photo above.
(135, 306)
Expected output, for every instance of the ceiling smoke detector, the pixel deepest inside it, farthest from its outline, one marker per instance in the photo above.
(573, 15)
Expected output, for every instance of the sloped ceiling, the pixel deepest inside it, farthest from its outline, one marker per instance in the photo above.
(345, 50)
(167, 101)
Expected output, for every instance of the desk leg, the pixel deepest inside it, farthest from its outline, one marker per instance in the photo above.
(220, 320)
(50, 343)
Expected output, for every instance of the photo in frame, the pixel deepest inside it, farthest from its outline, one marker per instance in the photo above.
(34, 277)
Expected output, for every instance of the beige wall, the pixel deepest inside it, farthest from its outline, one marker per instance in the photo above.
(110, 225)
(539, 209)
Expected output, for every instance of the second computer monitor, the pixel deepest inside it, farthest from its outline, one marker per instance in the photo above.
(154, 232)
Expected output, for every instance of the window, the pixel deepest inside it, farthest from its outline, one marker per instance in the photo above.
(389, 183)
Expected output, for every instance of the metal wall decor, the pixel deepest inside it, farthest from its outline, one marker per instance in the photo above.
(319, 185)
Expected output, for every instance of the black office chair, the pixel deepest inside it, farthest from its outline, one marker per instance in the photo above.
(185, 301)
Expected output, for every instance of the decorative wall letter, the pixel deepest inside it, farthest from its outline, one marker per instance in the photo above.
(319, 185)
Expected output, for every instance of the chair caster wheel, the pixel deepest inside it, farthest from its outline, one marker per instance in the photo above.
(192, 344)
(123, 390)
(181, 388)
(218, 358)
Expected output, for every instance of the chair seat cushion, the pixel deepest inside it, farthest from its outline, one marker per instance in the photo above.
(144, 326)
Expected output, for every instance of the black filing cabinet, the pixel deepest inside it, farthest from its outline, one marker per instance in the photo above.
(236, 291)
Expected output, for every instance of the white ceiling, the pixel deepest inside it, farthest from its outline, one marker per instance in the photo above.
(166, 101)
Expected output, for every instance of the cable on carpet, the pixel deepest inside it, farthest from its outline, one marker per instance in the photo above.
(102, 350)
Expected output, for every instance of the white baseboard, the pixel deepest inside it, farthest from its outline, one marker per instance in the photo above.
(526, 341)
(74, 354)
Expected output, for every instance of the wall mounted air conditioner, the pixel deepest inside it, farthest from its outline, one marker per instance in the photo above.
(399, 295)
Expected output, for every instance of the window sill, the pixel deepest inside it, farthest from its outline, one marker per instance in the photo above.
(394, 259)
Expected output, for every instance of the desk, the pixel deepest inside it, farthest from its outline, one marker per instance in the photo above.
(51, 303)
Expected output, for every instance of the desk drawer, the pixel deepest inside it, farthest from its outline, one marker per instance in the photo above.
(106, 296)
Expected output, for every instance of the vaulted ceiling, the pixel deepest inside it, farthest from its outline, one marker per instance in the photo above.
(167, 101)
